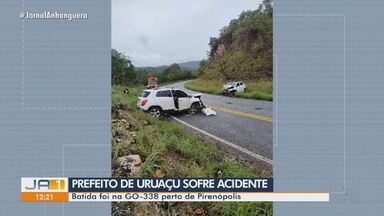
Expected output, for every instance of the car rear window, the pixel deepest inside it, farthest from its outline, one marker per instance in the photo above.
(166, 93)
(144, 94)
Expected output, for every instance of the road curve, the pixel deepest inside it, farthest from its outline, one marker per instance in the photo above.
(244, 122)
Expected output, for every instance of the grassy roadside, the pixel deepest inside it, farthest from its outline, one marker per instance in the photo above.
(260, 90)
(163, 145)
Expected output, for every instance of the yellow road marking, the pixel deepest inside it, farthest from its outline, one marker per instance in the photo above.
(249, 115)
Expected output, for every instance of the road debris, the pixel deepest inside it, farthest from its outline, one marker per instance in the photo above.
(208, 111)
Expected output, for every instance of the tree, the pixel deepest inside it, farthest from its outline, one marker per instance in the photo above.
(123, 71)
(174, 73)
(213, 43)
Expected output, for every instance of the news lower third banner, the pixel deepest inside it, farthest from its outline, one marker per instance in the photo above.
(34, 189)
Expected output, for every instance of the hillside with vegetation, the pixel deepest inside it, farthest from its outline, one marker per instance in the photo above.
(189, 65)
(242, 51)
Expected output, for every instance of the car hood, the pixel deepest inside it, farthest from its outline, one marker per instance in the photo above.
(226, 86)
(196, 95)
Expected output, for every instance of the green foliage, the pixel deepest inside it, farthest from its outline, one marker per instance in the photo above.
(213, 43)
(125, 73)
(242, 209)
(175, 73)
(243, 49)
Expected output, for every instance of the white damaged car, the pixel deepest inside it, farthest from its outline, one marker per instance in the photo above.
(162, 100)
(232, 88)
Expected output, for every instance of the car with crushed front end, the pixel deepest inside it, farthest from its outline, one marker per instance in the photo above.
(158, 101)
(232, 88)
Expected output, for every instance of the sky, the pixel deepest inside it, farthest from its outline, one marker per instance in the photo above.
(162, 32)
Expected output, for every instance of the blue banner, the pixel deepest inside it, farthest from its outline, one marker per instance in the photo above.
(170, 184)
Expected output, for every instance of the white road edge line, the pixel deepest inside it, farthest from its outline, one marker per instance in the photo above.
(257, 156)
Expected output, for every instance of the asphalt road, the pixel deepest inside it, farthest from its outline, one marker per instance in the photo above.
(244, 122)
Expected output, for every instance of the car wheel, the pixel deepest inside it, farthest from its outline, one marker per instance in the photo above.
(155, 112)
(195, 108)
(232, 93)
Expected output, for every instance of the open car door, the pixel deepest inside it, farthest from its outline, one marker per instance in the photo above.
(183, 99)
